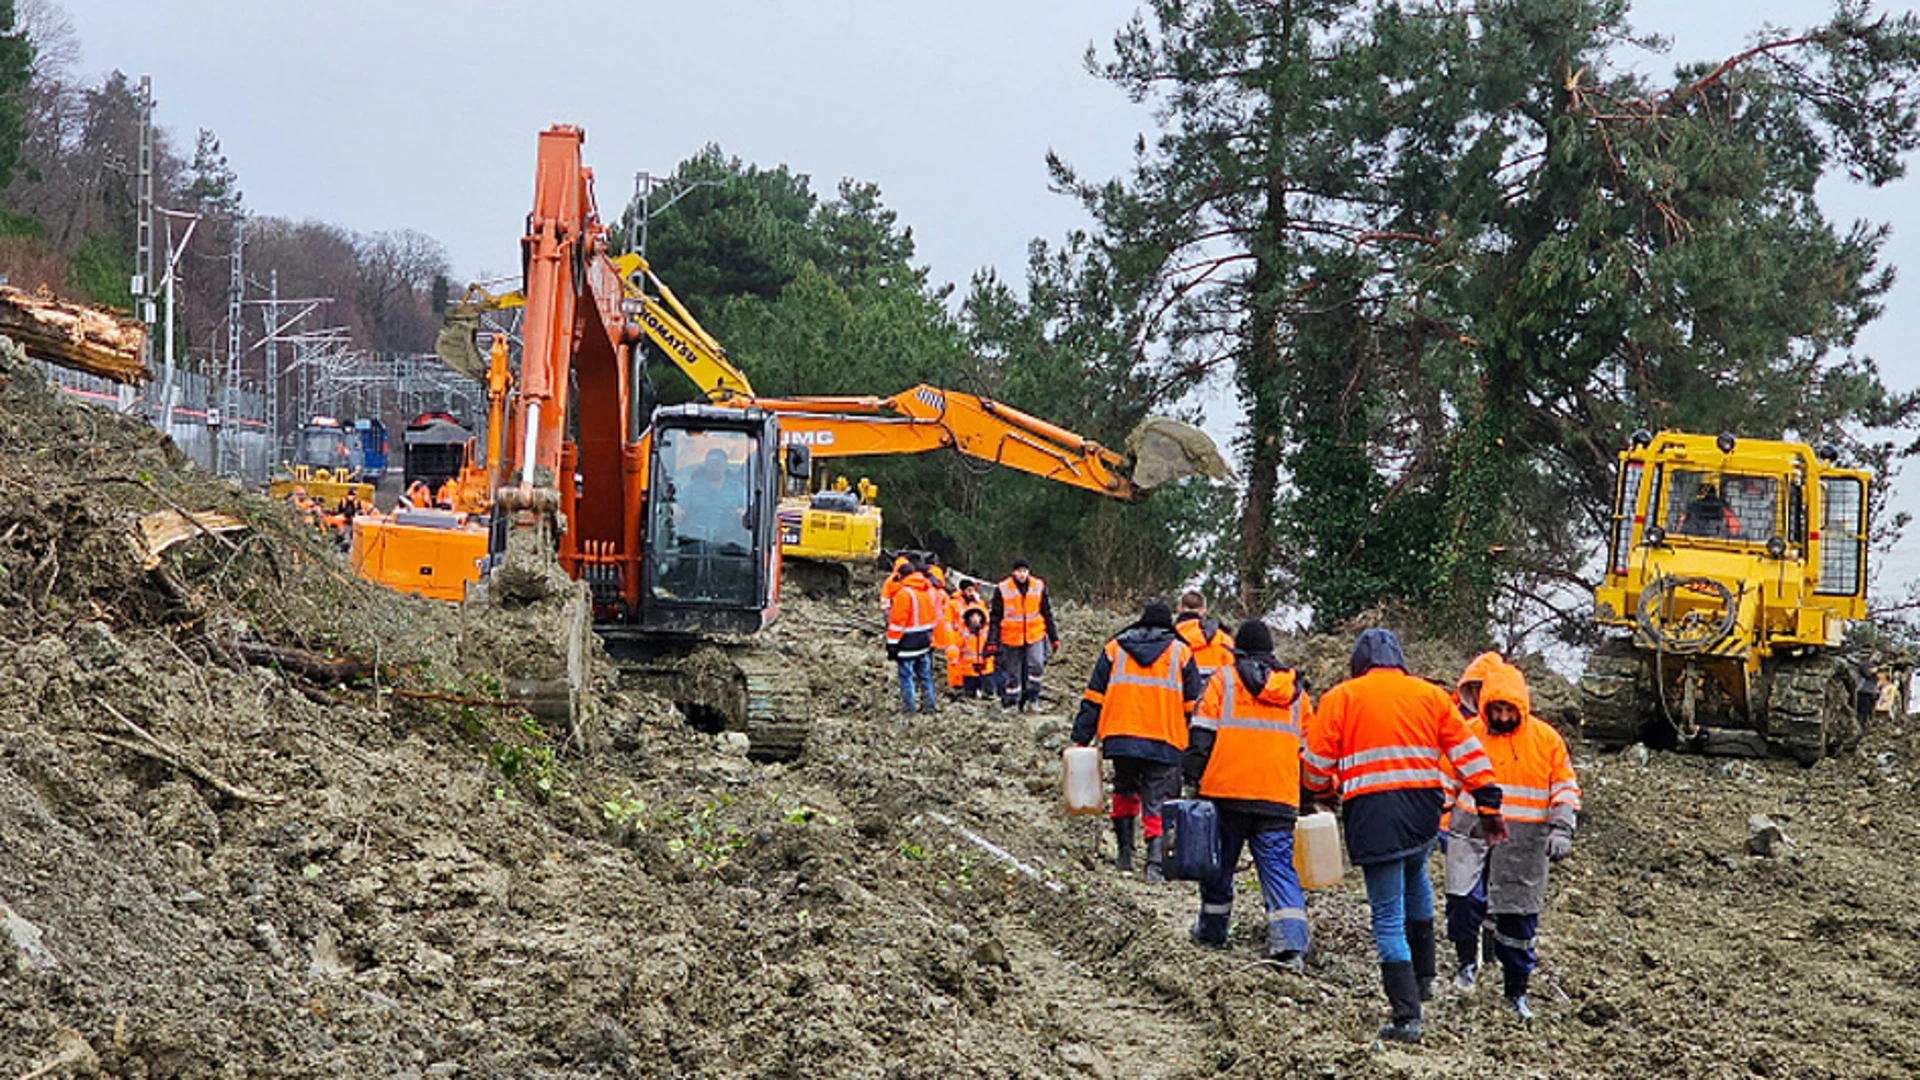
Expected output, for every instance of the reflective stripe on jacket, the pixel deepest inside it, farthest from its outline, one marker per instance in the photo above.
(1143, 686)
(1380, 738)
(1257, 737)
(1530, 763)
(1385, 731)
(1021, 619)
(968, 655)
(1144, 702)
(912, 617)
(1212, 646)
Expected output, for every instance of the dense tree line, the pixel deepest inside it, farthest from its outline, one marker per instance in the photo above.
(814, 295)
(1452, 253)
(68, 153)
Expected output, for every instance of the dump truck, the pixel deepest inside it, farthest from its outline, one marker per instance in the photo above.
(1733, 568)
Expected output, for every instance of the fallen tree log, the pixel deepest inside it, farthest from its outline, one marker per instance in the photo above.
(84, 339)
(302, 663)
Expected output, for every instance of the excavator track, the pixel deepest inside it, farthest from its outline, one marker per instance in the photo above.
(1616, 695)
(1811, 708)
(721, 686)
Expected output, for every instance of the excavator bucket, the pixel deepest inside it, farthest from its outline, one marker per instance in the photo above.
(1164, 450)
(456, 346)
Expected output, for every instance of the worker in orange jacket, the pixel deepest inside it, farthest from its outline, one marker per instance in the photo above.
(1540, 801)
(1211, 644)
(1022, 635)
(1244, 755)
(1137, 703)
(969, 656)
(910, 623)
(1466, 698)
(1376, 745)
(953, 628)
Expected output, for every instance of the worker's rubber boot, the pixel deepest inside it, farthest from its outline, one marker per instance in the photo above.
(1516, 988)
(1420, 940)
(1288, 960)
(1403, 999)
(1123, 840)
(930, 706)
(1210, 929)
(1468, 954)
(1156, 851)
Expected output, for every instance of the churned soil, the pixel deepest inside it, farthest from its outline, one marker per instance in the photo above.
(215, 867)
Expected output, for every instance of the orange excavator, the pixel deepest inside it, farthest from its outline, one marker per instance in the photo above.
(670, 516)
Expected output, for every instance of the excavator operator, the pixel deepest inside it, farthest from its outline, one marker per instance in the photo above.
(714, 504)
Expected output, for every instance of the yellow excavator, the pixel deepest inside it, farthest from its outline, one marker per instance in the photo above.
(1733, 567)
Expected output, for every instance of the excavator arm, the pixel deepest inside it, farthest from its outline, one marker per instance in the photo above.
(926, 418)
(654, 308)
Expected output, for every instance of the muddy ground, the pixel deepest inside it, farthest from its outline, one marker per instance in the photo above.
(210, 868)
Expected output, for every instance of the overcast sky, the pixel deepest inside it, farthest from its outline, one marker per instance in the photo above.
(377, 114)
(423, 114)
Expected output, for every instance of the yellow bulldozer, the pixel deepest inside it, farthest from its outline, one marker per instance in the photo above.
(1733, 568)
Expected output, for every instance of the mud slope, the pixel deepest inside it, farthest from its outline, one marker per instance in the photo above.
(274, 876)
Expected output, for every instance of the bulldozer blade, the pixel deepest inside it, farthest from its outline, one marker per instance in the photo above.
(1164, 450)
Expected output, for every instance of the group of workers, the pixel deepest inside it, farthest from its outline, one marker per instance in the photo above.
(419, 496)
(1406, 764)
(335, 521)
(995, 648)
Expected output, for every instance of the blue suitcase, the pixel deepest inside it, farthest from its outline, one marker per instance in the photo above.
(1193, 839)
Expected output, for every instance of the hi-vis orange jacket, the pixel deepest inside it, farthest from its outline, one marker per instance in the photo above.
(1378, 739)
(967, 656)
(1023, 615)
(1139, 696)
(912, 617)
(1537, 784)
(1540, 797)
(1212, 646)
(1257, 734)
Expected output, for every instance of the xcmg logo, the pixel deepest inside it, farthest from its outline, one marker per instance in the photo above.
(806, 438)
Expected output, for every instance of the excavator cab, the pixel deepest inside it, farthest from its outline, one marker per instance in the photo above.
(712, 557)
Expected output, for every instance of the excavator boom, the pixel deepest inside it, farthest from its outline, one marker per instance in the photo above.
(929, 418)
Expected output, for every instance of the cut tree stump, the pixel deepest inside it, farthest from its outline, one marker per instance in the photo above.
(85, 339)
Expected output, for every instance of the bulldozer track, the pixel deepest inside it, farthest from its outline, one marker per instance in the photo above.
(1615, 694)
(1811, 708)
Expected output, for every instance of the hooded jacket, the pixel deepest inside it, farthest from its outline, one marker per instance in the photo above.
(1540, 796)
(1244, 752)
(1378, 740)
(1135, 720)
(1212, 646)
(1475, 671)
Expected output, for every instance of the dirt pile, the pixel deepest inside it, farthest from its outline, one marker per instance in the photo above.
(280, 875)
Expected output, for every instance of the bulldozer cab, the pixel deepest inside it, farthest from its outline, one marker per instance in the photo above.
(712, 558)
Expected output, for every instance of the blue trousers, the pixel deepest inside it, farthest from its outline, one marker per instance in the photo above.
(1513, 935)
(1279, 885)
(916, 670)
(1398, 892)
